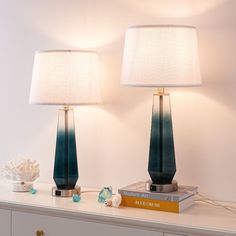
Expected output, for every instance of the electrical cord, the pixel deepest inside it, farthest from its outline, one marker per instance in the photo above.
(93, 191)
(90, 191)
(212, 202)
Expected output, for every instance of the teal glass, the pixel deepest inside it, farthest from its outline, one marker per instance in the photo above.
(76, 198)
(105, 194)
(65, 166)
(161, 166)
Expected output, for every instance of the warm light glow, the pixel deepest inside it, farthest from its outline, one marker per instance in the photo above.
(78, 24)
(94, 24)
(65, 77)
(161, 56)
(173, 8)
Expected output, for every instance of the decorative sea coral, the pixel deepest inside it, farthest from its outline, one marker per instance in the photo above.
(21, 171)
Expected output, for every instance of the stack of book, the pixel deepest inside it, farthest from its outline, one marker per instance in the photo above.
(136, 195)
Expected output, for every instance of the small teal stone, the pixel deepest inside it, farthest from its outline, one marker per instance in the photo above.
(104, 194)
(33, 190)
(76, 198)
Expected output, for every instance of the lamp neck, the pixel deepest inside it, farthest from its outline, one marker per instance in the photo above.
(161, 92)
(66, 108)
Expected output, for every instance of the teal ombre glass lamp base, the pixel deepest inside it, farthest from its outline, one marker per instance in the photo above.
(65, 166)
(161, 166)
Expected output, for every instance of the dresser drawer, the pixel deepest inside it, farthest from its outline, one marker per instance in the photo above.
(26, 224)
(167, 234)
(5, 222)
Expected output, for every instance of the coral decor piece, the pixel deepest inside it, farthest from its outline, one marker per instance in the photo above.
(23, 172)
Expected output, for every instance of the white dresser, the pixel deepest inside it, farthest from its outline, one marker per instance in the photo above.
(5, 222)
(24, 214)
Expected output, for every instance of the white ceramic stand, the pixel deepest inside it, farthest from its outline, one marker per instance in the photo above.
(21, 187)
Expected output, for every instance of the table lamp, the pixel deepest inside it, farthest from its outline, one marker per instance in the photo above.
(161, 56)
(65, 77)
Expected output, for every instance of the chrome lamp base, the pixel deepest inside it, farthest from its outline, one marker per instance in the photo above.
(65, 192)
(162, 188)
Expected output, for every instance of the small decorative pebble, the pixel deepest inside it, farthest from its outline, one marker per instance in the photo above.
(116, 200)
(108, 202)
(33, 190)
(76, 198)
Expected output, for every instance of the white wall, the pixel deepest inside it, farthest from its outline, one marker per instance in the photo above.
(113, 138)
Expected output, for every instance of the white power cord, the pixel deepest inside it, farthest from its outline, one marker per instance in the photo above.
(212, 202)
(90, 191)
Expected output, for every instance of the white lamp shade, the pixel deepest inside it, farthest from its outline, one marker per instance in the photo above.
(65, 77)
(161, 56)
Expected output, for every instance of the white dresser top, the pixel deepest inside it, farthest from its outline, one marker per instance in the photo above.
(201, 219)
